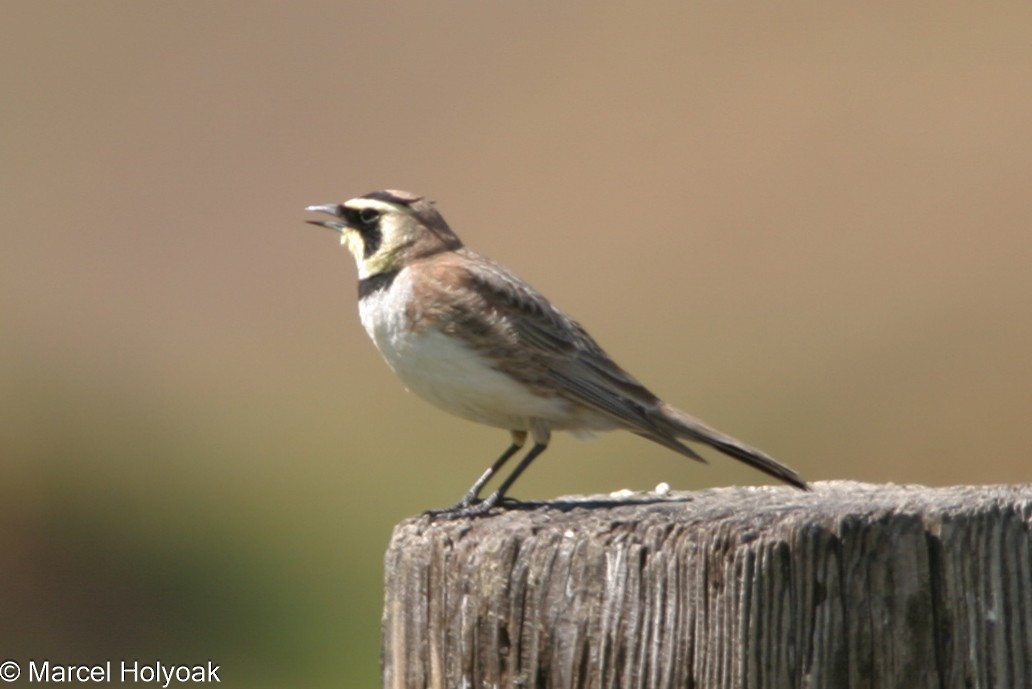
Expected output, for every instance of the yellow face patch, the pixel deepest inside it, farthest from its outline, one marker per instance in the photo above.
(353, 241)
(381, 250)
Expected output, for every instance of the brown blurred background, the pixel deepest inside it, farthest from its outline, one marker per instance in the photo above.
(808, 223)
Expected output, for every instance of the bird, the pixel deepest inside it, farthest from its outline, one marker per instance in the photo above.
(468, 336)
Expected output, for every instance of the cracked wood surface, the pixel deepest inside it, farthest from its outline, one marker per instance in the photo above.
(849, 586)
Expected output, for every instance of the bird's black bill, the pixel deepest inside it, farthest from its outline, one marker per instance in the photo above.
(333, 209)
(327, 208)
(329, 224)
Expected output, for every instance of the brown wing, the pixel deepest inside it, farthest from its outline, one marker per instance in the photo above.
(544, 347)
(557, 349)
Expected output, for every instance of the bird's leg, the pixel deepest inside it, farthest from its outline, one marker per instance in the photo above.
(473, 494)
(475, 507)
(542, 433)
(496, 497)
(469, 506)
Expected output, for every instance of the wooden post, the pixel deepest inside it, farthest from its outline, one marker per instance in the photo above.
(849, 586)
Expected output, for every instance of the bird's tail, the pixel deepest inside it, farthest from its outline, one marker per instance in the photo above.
(681, 425)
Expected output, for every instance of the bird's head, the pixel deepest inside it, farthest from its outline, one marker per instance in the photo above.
(385, 230)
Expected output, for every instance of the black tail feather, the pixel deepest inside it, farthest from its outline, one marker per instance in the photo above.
(682, 425)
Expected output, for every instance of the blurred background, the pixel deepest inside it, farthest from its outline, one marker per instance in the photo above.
(810, 224)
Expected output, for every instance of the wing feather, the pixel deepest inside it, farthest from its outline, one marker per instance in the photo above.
(559, 350)
(550, 352)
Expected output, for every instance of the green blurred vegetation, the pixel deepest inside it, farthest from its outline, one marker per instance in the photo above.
(129, 534)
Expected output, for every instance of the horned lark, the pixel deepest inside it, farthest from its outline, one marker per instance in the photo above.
(470, 337)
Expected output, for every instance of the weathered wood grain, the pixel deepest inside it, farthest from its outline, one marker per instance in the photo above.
(850, 586)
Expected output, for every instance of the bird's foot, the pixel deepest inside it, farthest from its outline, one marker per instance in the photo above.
(459, 511)
(471, 506)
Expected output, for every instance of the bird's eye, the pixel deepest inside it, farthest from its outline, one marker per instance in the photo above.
(368, 215)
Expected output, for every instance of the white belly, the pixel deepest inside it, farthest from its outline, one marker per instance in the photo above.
(445, 372)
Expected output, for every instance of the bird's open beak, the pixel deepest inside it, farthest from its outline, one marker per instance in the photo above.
(330, 209)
